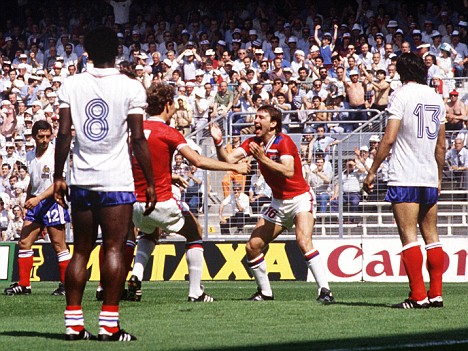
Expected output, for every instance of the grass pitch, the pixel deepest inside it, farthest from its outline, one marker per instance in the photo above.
(163, 320)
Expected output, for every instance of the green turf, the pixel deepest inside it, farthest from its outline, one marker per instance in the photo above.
(163, 320)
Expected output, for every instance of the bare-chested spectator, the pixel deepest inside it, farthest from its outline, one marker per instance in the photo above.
(355, 91)
(456, 112)
(317, 104)
(183, 116)
(381, 88)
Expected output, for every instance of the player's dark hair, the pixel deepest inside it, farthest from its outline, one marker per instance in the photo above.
(41, 125)
(275, 115)
(411, 67)
(158, 95)
(101, 45)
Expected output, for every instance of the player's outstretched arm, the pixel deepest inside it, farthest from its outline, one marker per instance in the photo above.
(62, 148)
(143, 157)
(214, 165)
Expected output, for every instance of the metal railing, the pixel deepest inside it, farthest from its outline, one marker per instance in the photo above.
(372, 216)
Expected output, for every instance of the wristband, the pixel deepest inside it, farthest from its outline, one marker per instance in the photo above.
(219, 143)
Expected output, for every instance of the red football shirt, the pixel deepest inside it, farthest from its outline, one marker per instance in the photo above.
(163, 141)
(279, 146)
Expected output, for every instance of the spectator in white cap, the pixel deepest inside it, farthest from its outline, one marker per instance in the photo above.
(253, 36)
(462, 53)
(142, 75)
(58, 70)
(10, 158)
(38, 112)
(167, 70)
(189, 61)
(374, 141)
(258, 57)
(19, 147)
(428, 31)
(291, 48)
(51, 97)
(463, 29)
(279, 54)
(56, 83)
(436, 43)
(416, 38)
(379, 44)
(445, 60)
(210, 54)
(220, 47)
(298, 62)
(199, 76)
(362, 159)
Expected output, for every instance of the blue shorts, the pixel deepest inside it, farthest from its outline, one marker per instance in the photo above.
(48, 213)
(421, 195)
(83, 199)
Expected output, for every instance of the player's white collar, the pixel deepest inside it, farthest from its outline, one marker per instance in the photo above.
(102, 72)
(156, 119)
(270, 142)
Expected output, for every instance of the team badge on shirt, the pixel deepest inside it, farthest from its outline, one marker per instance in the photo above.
(45, 174)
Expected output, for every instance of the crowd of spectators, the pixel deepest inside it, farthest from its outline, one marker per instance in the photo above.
(312, 62)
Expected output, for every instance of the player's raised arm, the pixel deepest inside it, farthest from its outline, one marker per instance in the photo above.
(235, 156)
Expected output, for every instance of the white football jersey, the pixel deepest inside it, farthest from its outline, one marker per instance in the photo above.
(100, 100)
(41, 170)
(421, 111)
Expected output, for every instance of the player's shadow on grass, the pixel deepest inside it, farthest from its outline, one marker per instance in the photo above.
(362, 304)
(33, 334)
(354, 304)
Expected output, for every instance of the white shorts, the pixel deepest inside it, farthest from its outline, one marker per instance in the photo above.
(283, 212)
(167, 215)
